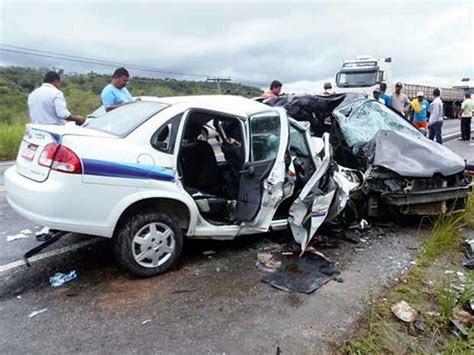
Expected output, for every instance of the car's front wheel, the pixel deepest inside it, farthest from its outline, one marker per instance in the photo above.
(148, 244)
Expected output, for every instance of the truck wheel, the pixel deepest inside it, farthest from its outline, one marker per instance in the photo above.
(148, 244)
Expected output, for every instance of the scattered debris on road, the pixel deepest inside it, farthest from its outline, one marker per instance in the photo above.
(60, 279)
(208, 252)
(302, 274)
(403, 311)
(146, 321)
(11, 238)
(43, 235)
(35, 313)
(183, 290)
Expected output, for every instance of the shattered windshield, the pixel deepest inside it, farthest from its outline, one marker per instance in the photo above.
(360, 122)
(352, 79)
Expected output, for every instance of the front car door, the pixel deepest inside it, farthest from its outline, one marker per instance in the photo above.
(262, 176)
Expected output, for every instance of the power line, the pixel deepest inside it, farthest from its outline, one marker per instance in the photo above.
(103, 63)
(88, 60)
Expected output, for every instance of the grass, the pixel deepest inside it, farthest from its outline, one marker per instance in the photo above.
(10, 139)
(427, 289)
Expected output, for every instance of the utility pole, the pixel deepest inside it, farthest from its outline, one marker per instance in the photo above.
(218, 81)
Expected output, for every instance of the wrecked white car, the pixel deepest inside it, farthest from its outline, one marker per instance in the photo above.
(405, 173)
(145, 175)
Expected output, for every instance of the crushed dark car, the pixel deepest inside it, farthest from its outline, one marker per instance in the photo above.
(405, 173)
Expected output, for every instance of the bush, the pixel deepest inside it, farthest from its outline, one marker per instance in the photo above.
(10, 140)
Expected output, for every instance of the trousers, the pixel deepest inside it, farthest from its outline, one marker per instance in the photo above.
(466, 128)
(435, 131)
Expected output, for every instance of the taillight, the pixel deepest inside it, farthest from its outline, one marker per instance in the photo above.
(47, 155)
(60, 158)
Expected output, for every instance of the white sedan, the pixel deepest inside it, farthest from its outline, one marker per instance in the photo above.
(146, 176)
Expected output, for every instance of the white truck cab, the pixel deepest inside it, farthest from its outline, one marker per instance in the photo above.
(364, 74)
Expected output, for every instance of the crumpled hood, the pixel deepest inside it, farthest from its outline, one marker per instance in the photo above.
(412, 156)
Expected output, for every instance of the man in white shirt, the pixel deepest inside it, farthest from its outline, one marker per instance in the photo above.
(47, 105)
(400, 101)
(435, 122)
(467, 109)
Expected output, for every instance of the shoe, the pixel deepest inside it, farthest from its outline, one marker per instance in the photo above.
(462, 139)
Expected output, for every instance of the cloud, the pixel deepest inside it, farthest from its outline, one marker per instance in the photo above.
(298, 43)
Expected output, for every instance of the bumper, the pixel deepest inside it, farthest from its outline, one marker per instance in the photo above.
(429, 202)
(53, 204)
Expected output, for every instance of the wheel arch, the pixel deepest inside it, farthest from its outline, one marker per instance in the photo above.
(178, 209)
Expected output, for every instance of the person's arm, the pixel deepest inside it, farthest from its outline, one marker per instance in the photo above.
(108, 100)
(62, 112)
(463, 106)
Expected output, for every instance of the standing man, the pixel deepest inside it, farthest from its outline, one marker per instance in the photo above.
(467, 108)
(116, 94)
(376, 95)
(384, 96)
(275, 88)
(419, 106)
(436, 117)
(47, 105)
(328, 89)
(400, 101)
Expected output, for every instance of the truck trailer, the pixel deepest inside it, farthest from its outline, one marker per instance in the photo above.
(365, 73)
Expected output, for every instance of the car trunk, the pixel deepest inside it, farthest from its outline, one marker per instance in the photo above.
(36, 138)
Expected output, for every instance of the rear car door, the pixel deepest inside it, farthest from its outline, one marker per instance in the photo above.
(262, 176)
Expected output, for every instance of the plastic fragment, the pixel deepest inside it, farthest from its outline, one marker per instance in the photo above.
(208, 252)
(35, 313)
(11, 238)
(404, 312)
(146, 321)
(60, 279)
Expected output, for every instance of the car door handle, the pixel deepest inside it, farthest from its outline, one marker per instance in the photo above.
(250, 171)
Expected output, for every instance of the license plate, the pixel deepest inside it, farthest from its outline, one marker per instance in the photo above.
(30, 152)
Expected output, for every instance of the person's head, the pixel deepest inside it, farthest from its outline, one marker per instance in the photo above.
(327, 85)
(275, 87)
(436, 92)
(52, 78)
(383, 87)
(120, 78)
(467, 95)
(376, 94)
(420, 95)
(398, 87)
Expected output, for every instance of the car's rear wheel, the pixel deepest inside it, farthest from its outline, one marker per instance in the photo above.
(148, 244)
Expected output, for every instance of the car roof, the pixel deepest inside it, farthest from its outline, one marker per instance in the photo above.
(235, 105)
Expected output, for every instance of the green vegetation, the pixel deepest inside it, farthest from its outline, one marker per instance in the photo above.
(82, 93)
(428, 290)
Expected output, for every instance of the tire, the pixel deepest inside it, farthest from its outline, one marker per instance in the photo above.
(148, 244)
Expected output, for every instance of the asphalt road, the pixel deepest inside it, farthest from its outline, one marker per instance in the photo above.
(224, 309)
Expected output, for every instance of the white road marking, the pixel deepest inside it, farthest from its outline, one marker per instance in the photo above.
(49, 254)
(7, 163)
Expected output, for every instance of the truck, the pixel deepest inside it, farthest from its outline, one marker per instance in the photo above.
(365, 73)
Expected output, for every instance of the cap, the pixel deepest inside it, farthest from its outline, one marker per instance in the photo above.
(327, 85)
(419, 93)
(399, 84)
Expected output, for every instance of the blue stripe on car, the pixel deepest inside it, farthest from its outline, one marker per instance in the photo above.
(126, 170)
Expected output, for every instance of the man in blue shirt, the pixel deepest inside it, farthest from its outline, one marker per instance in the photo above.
(116, 94)
(419, 107)
(384, 96)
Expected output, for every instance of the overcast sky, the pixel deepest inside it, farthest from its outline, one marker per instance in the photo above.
(300, 43)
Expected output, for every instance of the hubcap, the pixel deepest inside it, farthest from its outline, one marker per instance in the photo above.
(153, 245)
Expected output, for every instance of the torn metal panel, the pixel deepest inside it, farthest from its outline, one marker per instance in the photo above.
(414, 156)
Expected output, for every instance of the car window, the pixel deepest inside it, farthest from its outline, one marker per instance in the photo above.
(360, 123)
(165, 137)
(264, 136)
(298, 142)
(125, 119)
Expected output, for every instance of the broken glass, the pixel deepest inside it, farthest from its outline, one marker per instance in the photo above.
(360, 123)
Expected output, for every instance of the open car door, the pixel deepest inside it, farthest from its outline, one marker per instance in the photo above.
(262, 176)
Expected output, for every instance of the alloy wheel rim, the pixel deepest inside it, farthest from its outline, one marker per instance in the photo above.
(153, 245)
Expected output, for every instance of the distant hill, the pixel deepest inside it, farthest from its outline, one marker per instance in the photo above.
(82, 90)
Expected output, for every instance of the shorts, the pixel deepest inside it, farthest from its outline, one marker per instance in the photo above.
(420, 124)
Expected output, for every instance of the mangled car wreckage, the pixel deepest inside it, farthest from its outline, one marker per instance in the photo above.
(149, 173)
(405, 173)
